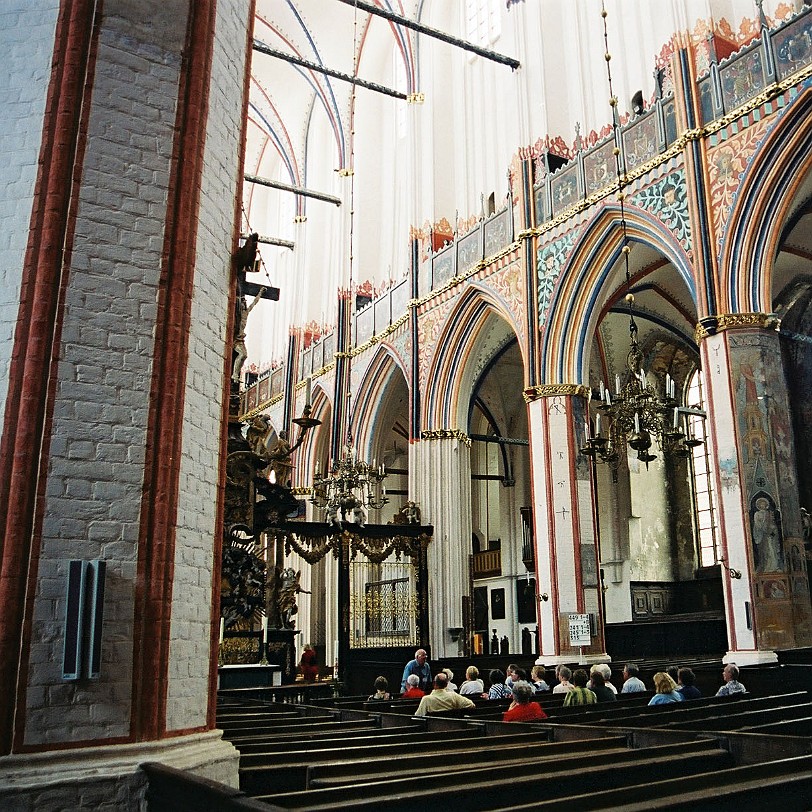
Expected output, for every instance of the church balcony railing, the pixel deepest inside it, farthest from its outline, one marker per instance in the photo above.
(487, 564)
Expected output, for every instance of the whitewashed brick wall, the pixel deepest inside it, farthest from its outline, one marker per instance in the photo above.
(93, 499)
(194, 553)
(26, 43)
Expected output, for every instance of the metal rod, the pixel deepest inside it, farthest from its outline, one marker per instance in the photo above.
(274, 241)
(433, 32)
(490, 438)
(297, 60)
(286, 187)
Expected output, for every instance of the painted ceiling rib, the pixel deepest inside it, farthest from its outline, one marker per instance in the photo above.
(433, 32)
(299, 190)
(262, 48)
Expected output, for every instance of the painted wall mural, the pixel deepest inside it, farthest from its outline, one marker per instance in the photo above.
(727, 163)
(551, 259)
(667, 200)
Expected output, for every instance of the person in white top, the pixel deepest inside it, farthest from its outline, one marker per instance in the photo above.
(473, 685)
(564, 685)
(606, 672)
(450, 674)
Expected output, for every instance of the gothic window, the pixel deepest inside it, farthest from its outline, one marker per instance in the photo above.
(704, 498)
(483, 23)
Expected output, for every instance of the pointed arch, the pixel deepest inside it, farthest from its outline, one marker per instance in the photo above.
(370, 398)
(585, 282)
(762, 206)
(460, 337)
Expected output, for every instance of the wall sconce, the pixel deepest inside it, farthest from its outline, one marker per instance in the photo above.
(734, 574)
(543, 597)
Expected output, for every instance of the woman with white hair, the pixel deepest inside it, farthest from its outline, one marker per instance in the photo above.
(451, 686)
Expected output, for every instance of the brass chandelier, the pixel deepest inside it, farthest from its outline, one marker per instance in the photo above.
(635, 413)
(349, 488)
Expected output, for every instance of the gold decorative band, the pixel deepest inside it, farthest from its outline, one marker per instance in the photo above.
(735, 321)
(302, 491)
(446, 434)
(554, 390)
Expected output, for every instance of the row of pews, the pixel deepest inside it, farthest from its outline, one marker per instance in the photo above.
(706, 754)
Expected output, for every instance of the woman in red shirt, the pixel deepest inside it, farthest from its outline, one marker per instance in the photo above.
(522, 709)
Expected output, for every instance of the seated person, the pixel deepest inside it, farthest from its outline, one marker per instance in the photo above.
(537, 679)
(381, 689)
(666, 690)
(687, 688)
(450, 674)
(632, 684)
(473, 685)
(523, 710)
(606, 672)
(732, 684)
(563, 673)
(600, 688)
(579, 694)
(412, 691)
(498, 689)
(441, 698)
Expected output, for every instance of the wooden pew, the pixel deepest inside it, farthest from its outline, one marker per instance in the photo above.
(671, 716)
(287, 772)
(341, 773)
(735, 721)
(786, 782)
(261, 734)
(272, 753)
(487, 787)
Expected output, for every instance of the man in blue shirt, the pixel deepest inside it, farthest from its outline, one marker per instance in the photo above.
(420, 667)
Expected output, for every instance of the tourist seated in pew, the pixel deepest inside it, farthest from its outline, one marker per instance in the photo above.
(685, 681)
(381, 689)
(563, 674)
(473, 685)
(666, 690)
(606, 672)
(632, 684)
(498, 689)
(579, 694)
(514, 674)
(599, 687)
(537, 679)
(441, 699)
(413, 691)
(732, 684)
(522, 709)
(673, 672)
(451, 684)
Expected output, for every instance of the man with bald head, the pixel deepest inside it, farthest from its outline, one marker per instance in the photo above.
(419, 666)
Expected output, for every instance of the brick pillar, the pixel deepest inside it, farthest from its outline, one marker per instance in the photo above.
(114, 383)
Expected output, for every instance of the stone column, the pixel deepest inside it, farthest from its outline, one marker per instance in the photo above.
(443, 463)
(761, 545)
(564, 514)
(115, 385)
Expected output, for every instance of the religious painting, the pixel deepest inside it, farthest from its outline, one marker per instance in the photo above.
(765, 530)
(773, 588)
(599, 167)
(498, 604)
(564, 186)
(640, 141)
(589, 565)
(469, 251)
(742, 78)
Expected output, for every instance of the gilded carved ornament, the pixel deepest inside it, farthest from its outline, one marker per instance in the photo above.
(735, 321)
(551, 390)
(446, 434)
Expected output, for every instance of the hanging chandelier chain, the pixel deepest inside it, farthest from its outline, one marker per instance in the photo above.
(635, 412)
(350, 487)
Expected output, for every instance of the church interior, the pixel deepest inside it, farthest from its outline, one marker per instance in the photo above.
(340, 330)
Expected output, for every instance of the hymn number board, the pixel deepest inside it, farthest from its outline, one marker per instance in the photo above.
(579, 630)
